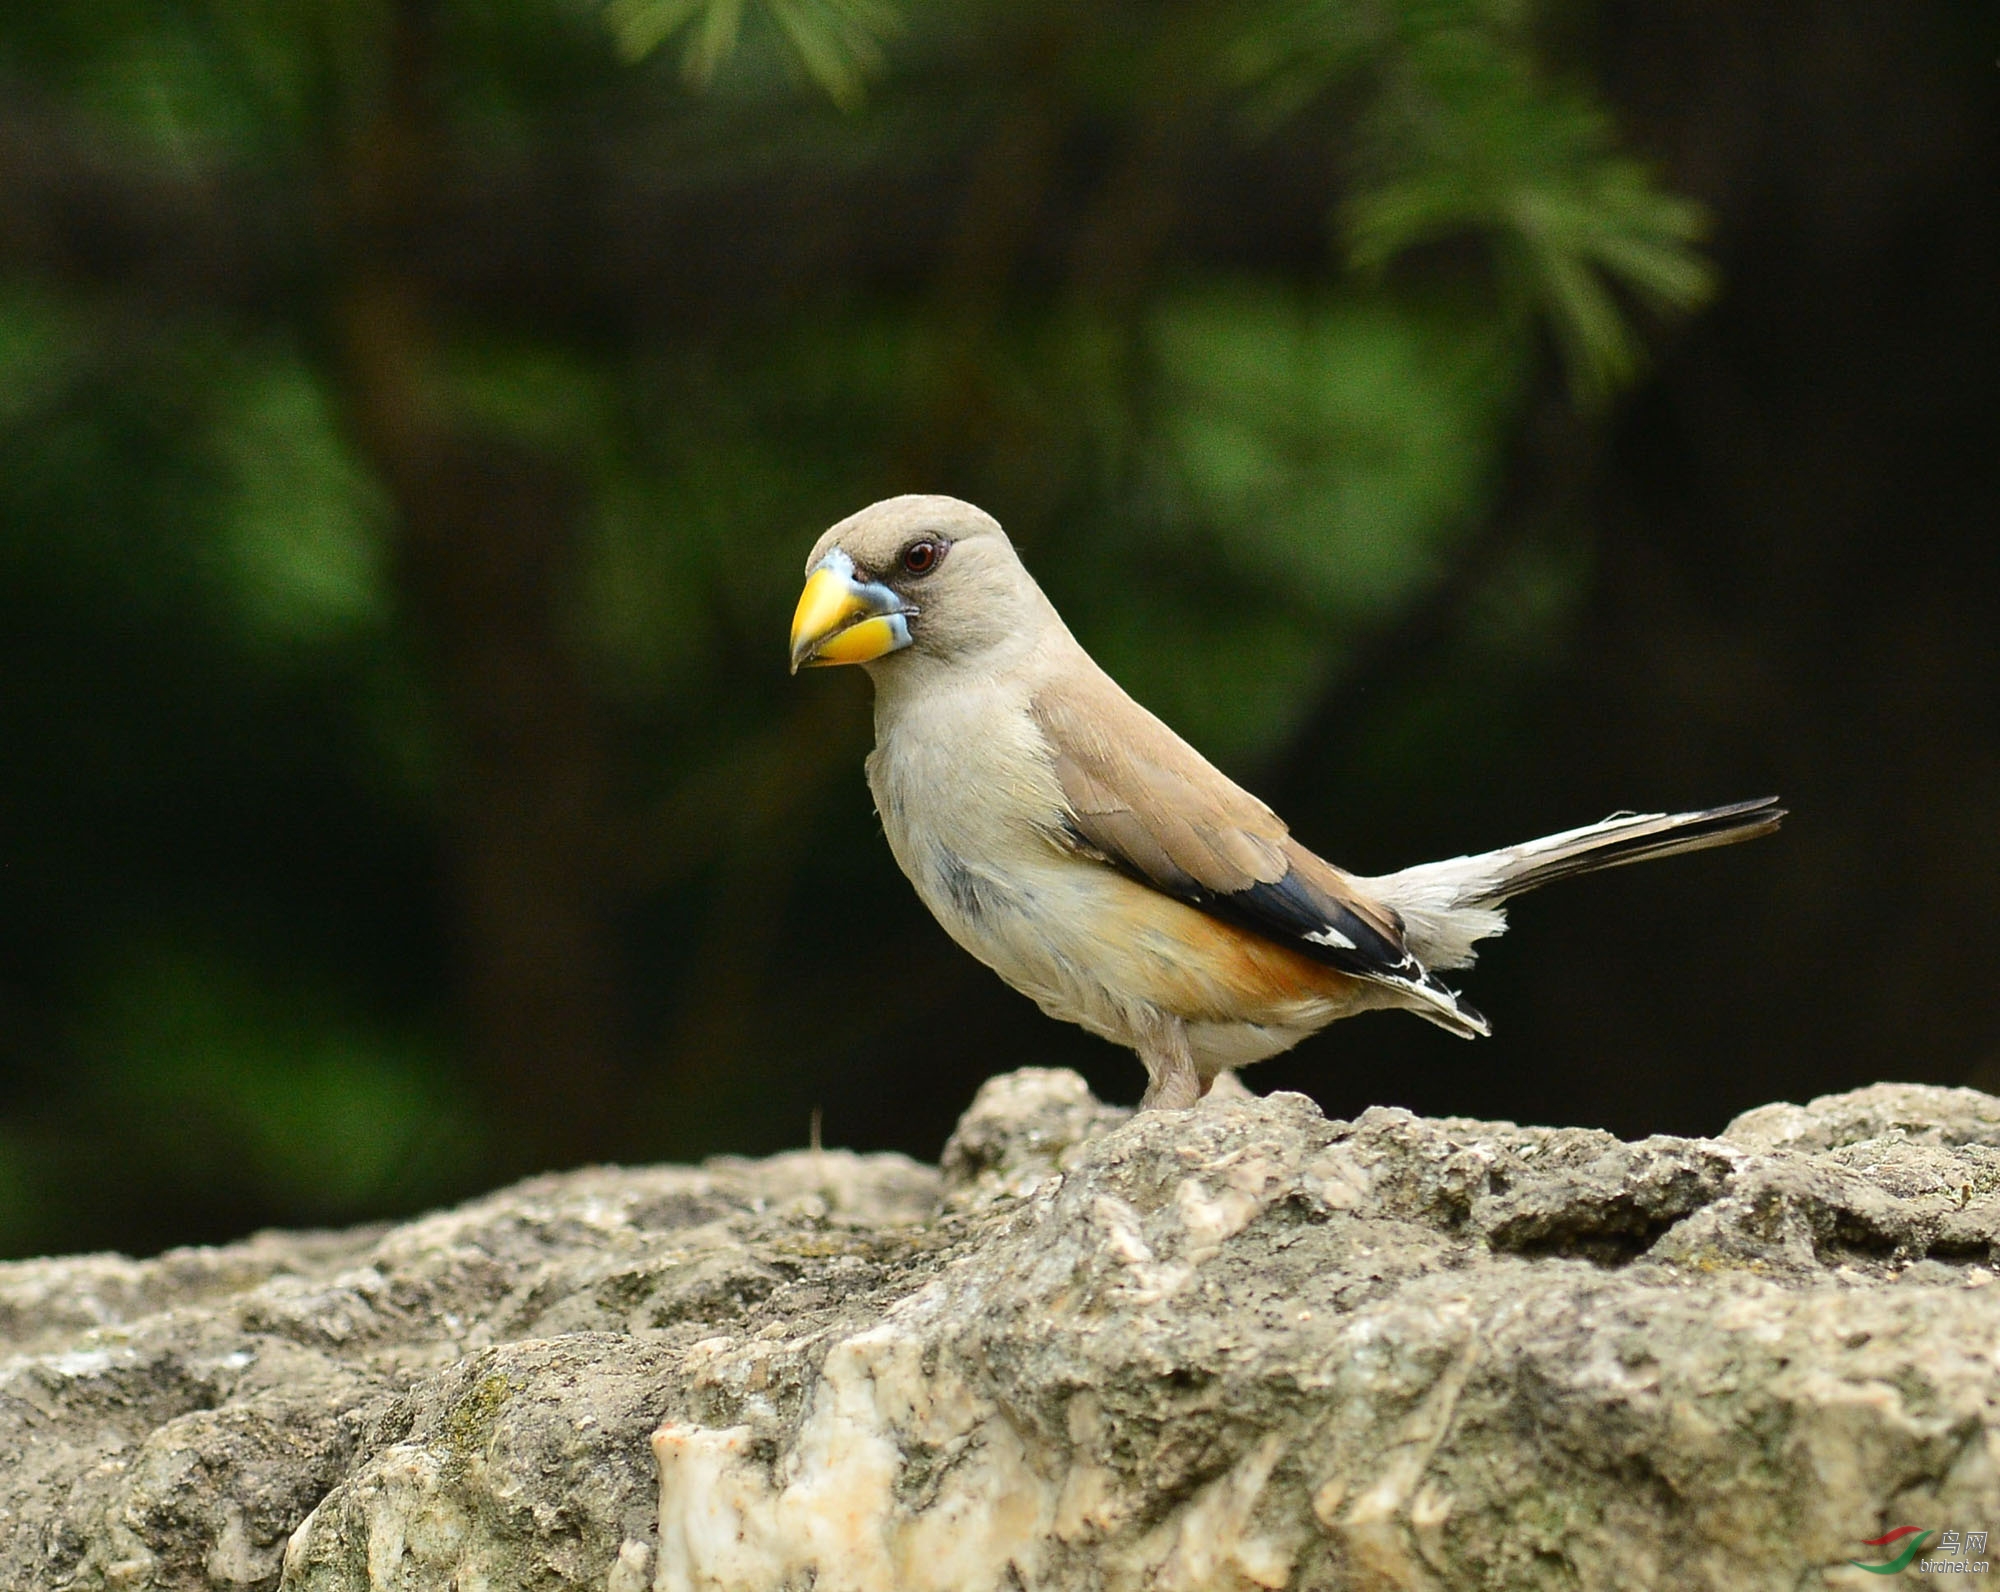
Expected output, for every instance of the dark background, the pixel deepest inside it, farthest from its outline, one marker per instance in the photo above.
(1461, 419)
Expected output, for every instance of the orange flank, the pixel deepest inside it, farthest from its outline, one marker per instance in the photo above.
(1205, 970)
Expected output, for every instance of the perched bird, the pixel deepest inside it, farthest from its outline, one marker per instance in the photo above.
(1099, 864)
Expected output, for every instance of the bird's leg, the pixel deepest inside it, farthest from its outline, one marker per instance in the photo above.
(1175, 1084)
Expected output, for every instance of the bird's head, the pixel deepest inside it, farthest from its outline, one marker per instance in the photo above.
(929, 575)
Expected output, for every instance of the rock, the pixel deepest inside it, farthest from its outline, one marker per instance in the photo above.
(1238, 1347)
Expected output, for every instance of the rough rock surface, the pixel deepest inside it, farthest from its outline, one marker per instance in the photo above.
(1238, 1347)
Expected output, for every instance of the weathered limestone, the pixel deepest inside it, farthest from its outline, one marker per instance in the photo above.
(1242, 1347)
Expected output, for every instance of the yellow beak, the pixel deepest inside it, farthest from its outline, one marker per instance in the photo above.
(843, 620)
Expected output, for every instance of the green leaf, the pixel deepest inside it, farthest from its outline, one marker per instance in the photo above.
(642, 26)
(837, 42)
(1464, 133)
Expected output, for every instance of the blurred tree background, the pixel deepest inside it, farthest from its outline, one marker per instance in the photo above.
(1462, 418)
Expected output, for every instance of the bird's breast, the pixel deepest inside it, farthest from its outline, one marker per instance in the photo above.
(966, 774)
(972, 810)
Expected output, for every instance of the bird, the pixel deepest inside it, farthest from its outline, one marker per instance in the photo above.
(1072, 842)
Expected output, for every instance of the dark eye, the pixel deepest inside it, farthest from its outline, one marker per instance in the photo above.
(920, 558)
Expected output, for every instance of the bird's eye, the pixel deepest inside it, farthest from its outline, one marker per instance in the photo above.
(920, 558)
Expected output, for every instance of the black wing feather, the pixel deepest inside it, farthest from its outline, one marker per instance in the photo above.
(1326, 931)
(1291, 912)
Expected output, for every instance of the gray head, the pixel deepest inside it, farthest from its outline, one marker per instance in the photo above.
(923, 575)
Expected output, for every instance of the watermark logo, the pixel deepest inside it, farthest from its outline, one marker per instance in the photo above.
(1887, 1542)
(1957, 1553)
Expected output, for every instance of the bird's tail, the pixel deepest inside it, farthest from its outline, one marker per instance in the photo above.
(1447, 906)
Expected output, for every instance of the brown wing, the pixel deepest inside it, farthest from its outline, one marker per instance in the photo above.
(1144, 801)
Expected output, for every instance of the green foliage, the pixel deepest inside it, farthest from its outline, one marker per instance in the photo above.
(252, 73)
(1459, 129)
(1313, 456)
(224, 934)
(273, 1092)
(304, 528)
(1333, 442)
(213, 735)
(838, 42)
(1462, 131)
(38, 341)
